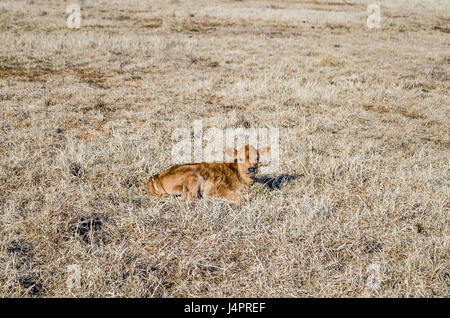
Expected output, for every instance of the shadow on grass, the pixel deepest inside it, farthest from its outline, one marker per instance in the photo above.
(276, 183)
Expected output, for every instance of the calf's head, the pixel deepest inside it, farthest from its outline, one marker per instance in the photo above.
(247, 159)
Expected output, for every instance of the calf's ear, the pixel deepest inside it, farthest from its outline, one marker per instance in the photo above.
(231, 152)
(263, 151)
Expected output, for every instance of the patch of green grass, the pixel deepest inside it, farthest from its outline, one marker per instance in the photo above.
(329, 61)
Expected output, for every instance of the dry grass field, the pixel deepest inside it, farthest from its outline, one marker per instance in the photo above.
(363, 114)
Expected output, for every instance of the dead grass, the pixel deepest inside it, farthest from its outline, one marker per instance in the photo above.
(85, 117)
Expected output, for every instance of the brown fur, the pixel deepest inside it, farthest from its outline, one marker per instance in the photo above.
(192, 181)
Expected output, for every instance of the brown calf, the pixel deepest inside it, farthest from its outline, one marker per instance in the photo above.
(192, 181)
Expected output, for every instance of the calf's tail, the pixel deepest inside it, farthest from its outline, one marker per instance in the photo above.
(154, 186)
